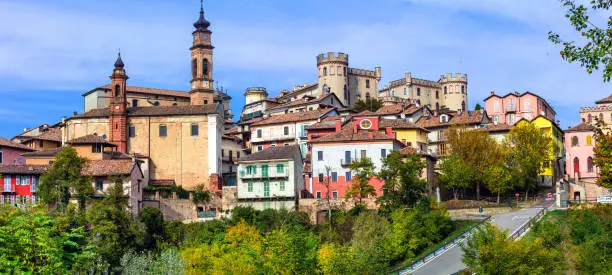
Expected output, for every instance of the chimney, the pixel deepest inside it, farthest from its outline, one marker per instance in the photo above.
(355, 128)
(338, 125)
(389, 132)
(370, 135)
(74, 113)
(492, 92)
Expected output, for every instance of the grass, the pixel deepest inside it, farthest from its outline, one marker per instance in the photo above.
(460, 227)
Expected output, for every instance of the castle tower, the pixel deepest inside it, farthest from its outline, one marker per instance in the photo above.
(454, 91)
(201, 91)
(254, 94)
(333, 75)
(118, 105)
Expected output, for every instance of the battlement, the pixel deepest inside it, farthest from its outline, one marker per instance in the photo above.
(362, 72)
(251, 90)
(332, 57)
(450, 77)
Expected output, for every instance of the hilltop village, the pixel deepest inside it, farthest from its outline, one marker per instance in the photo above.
(289, 151)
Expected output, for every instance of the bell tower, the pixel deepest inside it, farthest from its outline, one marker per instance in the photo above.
(118, 105)
(202, 90)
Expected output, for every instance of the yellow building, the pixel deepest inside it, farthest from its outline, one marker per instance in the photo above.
(407, 132)
(553, 167)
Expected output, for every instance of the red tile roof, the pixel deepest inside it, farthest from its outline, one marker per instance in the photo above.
(7, 143)
(293, 117)
(156, 111)
(151, 91)
(306, 100)
(464, 118)
(107, 167)
(399, 124)
(24, 169)
(44, 153)
(500, 127)
(276, 152)
(347, 134)
(391, 109)
(365, 113)
(328, 122)
(91, 139)
(604, 100)
(582, 127)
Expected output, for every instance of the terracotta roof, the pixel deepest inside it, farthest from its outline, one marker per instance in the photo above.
(155, 111)
(347, 134)
(391, 109)
(582, 127)
(307, 168)
(327, 123)
(469, 117)
(90, 139)
(231, 131)
(365, 113)
(24, 169)
(289, 94)
(500, 127)
(294, 117)
(51, 134)
(7, 143)
(306, 100)
(408, 150)
(44, 153)
(398, 124)
(604, 100)
(152, 91)
(107, 167)
(413, 109)
(276, 152)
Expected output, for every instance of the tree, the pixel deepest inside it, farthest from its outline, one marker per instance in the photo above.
(371, 104)
(595, 47)
(476, 149)
(527, 149)
(327, 184)
(403, 187)
(360, 186)
(153, 220)
(603, 154)
(456, 174)
(498, 180)
(477, 107)
(64, 181)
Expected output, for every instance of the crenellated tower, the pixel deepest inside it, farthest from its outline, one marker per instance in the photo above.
(202, 89)
(454, 89)
(118, 107)
(334, 75)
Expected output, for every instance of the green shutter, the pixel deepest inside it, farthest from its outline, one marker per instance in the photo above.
(264, 170)
(266, 189)
(282, 186)
(280, 168)
(250, 186)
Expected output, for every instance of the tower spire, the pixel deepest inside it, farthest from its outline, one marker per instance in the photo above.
(202, 24)
(119, 63)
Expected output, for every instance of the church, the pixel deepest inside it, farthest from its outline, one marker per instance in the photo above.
(176, 135)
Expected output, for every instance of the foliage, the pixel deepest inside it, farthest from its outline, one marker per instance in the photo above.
(603, 154)
(527, 149)
(456, 174)
(596, 47)
(403, 187)
(478, 107)
(498, 179)
(168, 261)
(64, 181)
(371, 235)
(489, 251)
(371, 104)
(336, 259)
(360, 183)
(153, 219)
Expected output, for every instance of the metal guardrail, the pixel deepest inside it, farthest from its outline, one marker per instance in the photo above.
(439, 250)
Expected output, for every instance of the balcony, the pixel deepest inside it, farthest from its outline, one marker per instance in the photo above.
(259, 174)
(346, 162)
(511, 108)
(206, 214)
(272, 137)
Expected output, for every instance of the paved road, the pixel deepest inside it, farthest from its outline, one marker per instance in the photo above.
(450, 261)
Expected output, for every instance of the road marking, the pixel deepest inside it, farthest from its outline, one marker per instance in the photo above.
(521, 217)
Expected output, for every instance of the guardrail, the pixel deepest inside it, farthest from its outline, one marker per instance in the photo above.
(528, 224)
(439, 250)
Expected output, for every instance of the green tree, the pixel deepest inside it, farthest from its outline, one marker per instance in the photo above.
(527, 149)
(64, 181)
(370, 234)
(153, 219)
(371, 104)
(603, 154)
(498, 180)
(360, 186)
(595, 47)
(477, 107)
(167, 262)
(456, 174)
(403, 185)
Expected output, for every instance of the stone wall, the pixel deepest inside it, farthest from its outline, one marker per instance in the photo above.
(315, 208)
(173, 209)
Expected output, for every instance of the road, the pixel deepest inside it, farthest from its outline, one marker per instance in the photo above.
(450, 261)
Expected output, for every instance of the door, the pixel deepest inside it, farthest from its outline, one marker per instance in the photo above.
(576, 165)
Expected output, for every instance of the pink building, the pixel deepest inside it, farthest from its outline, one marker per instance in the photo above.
(10, 152)
(511, 107)
(579, 143)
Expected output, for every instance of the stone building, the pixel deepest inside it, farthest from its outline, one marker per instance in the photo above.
(601, 111)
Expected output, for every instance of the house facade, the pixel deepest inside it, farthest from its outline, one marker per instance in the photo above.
(439, 125)
(601, 111)
(271, 178)
(20, 183)
(579, 144)
(10, 152)
(512, 107)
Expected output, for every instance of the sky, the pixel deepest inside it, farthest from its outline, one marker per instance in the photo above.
(51, 52)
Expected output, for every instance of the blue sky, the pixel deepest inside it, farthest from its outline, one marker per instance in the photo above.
(53, 51)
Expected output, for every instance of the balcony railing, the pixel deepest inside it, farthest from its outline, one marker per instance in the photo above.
(259, 174)
(346, 162)
(255, 138)
(206, 214)
(8, 188)
(511, 108)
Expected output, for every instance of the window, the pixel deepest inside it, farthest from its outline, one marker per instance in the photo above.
(365, 124)
(248, 170)
(259, 148)
(320, 177)
(286, 130)
(281, 186)
(205, 101)
(1, 155)
(600, 116)
(334, 176)
(132, 131)
(237, 155)
(162, 130)
(194, 68)
(117, 90)
(418, 91)
(392, 92)
(205, 67)
(319, 155)
(383, 153)
(280, 168)
(99, 184)
(462, 89)
(266, 189)
(367, 96)
(264, 170)
(7, 183)
(34, 185)
(437, 106)
(344, 71)
(462, 105)
(363, 154)
(589, 140)
(527, 105)
(318, 194)
(590, 164)
(259, 133)
(576, 165)
(348, 177)
(96, 148)
(230, 155)
(590, 119)
(41, 143)
(194, 130)
(511, 119)
(346, 94)
(404, 90)
(222, 153)
(335, 194)
(367, 83)
(134, 102)
(496, 119)
(324, 71)
(250, 187)
(575, 141)
(347, 157)
(437, 94)
(445, 91)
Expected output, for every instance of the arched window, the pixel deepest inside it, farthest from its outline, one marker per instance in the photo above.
(205, 67)
(392, 92)
(589, 140)
(574, 141)
(462, 89)
(590, 164)
(445, 91)
(117, 90)
(367, 96)
(418, 102)
(600, 116)
(338, 70)
(324, 88)
(194, 68)
(324, 71)
(463, 105)
(344, 71)
(437, 94)
(590, 119)
(576, 165)
(437, 106)
(346, 95)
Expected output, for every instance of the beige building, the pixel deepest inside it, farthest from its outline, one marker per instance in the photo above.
(450, 91)
(601, 111)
